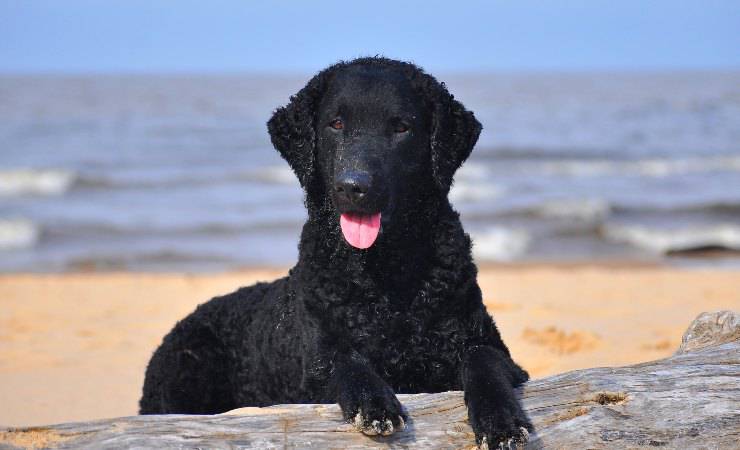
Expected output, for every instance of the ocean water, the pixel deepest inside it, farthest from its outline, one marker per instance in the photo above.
(177, 172)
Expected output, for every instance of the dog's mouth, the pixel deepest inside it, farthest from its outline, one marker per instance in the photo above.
(360, 230)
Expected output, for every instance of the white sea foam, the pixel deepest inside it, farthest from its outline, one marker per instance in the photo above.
(665, 240)
(466, 191)
(653, 167)
(500, 244)
(586, 210)
(471, 184)
(472, 171)
(17, 233)
(15, 182)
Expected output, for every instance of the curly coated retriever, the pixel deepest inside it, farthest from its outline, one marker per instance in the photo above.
(384, 297)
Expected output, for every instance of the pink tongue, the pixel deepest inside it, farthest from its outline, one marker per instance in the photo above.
(360, 230)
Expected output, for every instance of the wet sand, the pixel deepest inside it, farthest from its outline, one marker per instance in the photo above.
(74, 346)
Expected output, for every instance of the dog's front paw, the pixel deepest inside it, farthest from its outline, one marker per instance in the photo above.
(379, 424)
(374, 411)
(500, 428)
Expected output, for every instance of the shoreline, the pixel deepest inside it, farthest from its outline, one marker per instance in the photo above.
(74, 346)
(699, 261)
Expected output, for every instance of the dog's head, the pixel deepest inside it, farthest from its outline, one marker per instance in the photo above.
(373, 137)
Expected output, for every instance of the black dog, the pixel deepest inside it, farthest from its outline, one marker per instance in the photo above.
(384, 297)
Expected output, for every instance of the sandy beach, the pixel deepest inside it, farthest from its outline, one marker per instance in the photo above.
(74, 346)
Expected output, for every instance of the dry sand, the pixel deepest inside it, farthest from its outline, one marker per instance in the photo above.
(74, 346)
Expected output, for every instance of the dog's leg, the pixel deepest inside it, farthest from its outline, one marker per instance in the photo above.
(188, 372)
(489, 377)
(367, 401)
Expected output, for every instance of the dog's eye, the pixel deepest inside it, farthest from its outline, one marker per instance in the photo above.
(401, 128)
(337, 124)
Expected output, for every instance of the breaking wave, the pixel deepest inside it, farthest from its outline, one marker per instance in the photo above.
(654, 167)
(267, 175)
(114, 230)
(665, 241)
(500, 244)
(18, 234)
(16, 182)
(582, 210)
(463, 191)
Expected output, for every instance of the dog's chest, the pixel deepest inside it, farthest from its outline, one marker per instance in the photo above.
(412, 350)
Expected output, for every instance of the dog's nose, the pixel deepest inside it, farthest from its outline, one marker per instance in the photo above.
(353, 185)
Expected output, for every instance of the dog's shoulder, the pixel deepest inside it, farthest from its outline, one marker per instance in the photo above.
(243, 305)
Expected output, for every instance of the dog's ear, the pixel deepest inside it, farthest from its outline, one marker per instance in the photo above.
(455, 131)
(292, 129)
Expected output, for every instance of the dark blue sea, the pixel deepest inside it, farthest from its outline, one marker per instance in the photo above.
(176, 173)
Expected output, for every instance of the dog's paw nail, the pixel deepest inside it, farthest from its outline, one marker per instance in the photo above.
(357, 421)
(483, 444)
(373, 429)
(360, 424)
(524, 435)
(387, 429)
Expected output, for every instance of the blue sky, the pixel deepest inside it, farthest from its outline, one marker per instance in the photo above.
(292, 36)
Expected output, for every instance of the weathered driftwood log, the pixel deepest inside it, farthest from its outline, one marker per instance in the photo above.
(690, 400)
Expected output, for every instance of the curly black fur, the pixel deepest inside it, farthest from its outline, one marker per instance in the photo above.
(356, 326)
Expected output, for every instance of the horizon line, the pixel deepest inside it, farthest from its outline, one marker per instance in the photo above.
(289, 73)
